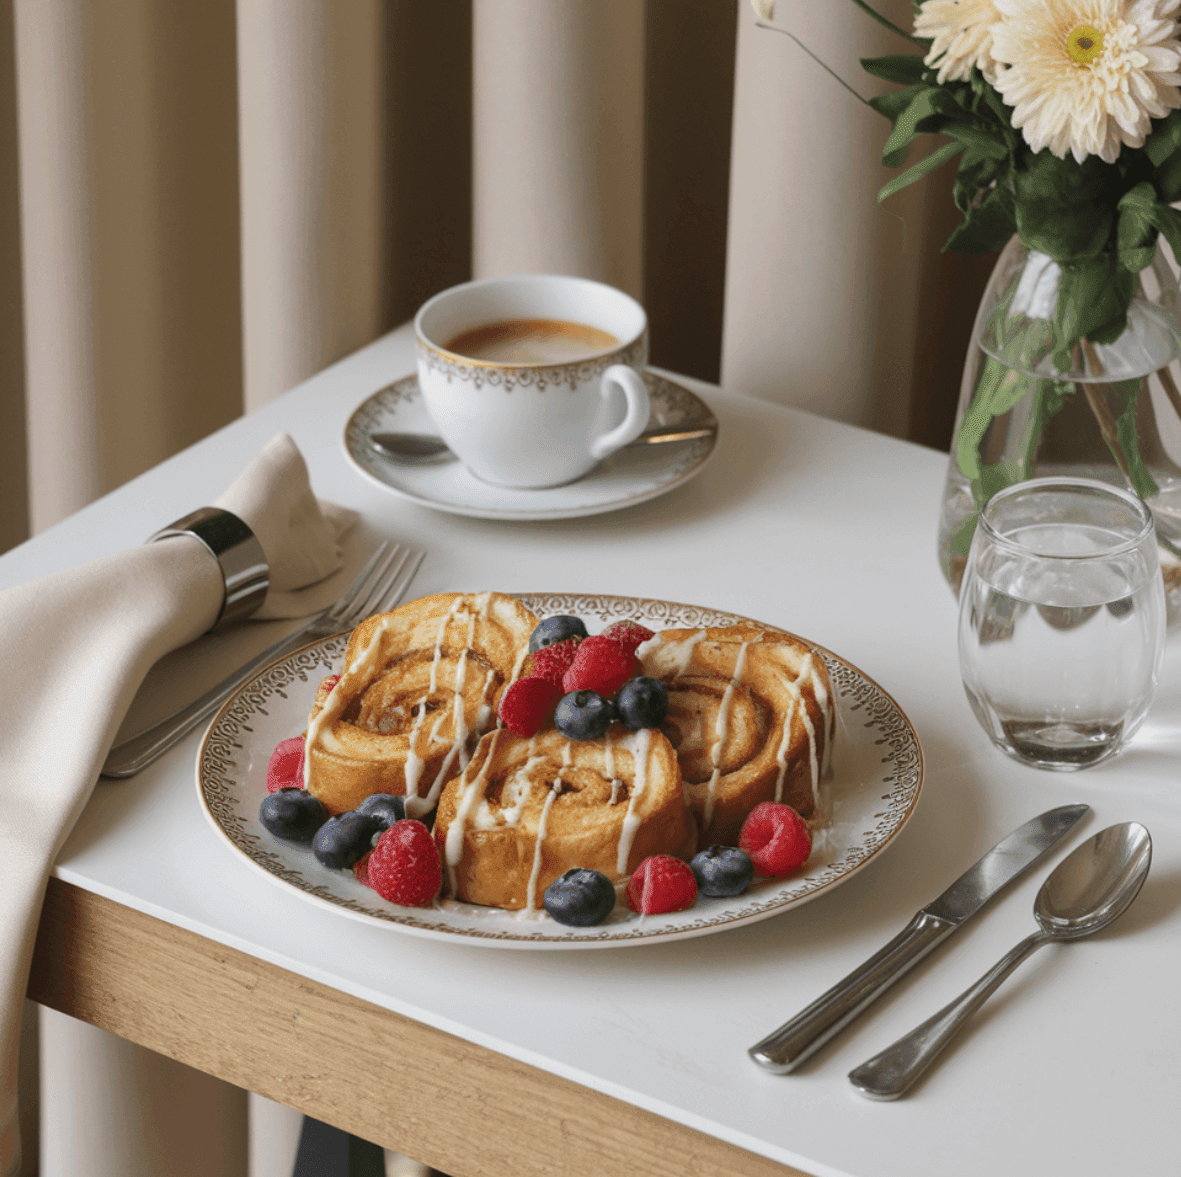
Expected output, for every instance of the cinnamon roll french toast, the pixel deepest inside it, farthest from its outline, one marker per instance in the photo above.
(525, 811)
(419, 686)
(750, 716)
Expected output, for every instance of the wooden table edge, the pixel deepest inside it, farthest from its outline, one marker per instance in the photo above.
(458, 1107)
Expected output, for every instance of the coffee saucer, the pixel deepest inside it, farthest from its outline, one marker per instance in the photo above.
(629, 476)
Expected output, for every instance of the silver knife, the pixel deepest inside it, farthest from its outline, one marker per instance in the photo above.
(821, 1021)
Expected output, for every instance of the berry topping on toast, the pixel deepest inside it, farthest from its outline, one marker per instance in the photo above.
(583, 715)
(580, 898)
(628, 634)
(642, 702)
(601, 665)
(661, 883)
(776, 838)
(555, 629)
(552, 662)
(404, 867)
(285, 767)
(292, 814)
(527, 704)
(722, 871)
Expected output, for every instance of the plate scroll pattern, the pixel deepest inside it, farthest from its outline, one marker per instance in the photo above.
(231, 774)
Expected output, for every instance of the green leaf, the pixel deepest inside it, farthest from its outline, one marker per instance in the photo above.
(961, 542)
(906, 68)
(935, 160)
(998, 389)
(1093, 301)
(1136, 228)
(1165, 138)
(1066, 209)
(982, 142)
(893, 103)
(927, 102)
(1125, 447)
(1168, 221)
(975, 174)
(987, 225)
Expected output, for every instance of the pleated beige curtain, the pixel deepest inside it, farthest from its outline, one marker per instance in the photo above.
(203, 204)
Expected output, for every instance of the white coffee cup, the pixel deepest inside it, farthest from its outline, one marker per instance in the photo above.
(555, 388)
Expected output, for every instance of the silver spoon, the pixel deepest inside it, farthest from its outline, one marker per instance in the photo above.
(1086, 891)
(425, 449)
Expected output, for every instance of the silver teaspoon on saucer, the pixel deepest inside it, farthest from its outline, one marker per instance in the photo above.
(425, 449)
(1085, 892)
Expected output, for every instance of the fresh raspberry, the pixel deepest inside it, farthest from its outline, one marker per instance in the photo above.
(527, 704)
(661, 883)
(285, 767)
(629, 634)
(361, 868)
(552, 662)
(404, 866)
(602, 665)
(776, 838)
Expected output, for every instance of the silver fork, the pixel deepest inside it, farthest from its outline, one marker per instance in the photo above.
(379, 587)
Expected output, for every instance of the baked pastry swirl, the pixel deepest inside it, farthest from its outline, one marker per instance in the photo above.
(525, 811)
(751, 718)
(420, 685)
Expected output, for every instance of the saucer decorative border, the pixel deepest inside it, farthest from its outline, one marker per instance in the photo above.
(629, 476)
(878, 773)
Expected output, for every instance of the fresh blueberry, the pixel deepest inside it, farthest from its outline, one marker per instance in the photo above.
(722, 871)
(642, 702)
(292, 814)
(555, 629)
(583, 715)
(386, 807)
(580, 898)
(341, 840)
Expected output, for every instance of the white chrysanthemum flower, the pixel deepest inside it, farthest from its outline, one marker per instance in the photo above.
(961, 33)
(764, 9)
(1086, 76)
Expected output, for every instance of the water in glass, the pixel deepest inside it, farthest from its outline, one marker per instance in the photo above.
(1061, 635)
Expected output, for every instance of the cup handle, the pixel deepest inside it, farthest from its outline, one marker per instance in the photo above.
(631, 384)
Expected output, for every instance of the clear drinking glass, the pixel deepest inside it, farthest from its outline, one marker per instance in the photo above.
(1062, 620)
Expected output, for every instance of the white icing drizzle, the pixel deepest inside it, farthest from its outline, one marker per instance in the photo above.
(609, 766)
(813, 762)
(554, 790)
(484, 714)
(473, 791)
(412, 770)
(828, 710)
(721, 730)
(784, 741)
(807, 671)
(320, 734)
(666, 658)
(334, 704)
(637, 743)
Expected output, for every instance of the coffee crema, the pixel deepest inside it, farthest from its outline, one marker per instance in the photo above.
(532, 341)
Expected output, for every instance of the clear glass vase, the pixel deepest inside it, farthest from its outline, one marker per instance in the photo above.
(1113, 415)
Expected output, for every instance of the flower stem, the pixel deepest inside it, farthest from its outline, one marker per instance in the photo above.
(873, 12)
(776, 29)
(1170, 387)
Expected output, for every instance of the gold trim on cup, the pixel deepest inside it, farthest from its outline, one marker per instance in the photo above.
(539, 376)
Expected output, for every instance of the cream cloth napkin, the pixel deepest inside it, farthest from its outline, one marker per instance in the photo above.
(75, 646)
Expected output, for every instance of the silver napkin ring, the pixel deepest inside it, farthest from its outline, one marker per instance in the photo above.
(243, 562)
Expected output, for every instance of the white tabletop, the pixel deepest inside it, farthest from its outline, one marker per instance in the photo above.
(828, 531)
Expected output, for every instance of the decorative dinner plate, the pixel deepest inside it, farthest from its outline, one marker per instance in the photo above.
(877, 772)
(629, 476)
